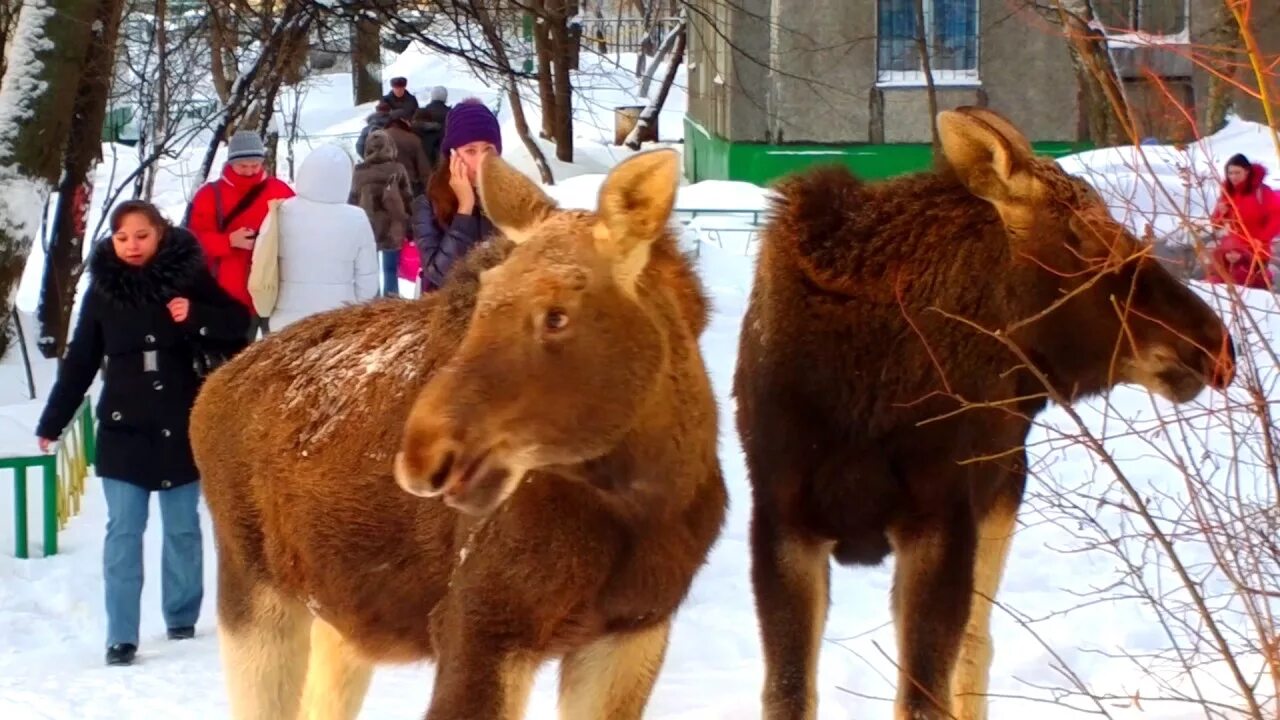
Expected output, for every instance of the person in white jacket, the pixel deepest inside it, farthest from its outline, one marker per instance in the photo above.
(327, 253)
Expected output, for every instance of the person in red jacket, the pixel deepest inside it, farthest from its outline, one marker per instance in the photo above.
(1247, 217)
(226, 214)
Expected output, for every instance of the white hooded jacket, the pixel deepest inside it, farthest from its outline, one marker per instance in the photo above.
(327, 253)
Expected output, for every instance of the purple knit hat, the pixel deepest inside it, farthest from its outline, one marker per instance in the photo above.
(467, 122)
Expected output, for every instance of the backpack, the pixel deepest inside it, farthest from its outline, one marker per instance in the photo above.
(386, 209)
(393, 199)
(264, 271)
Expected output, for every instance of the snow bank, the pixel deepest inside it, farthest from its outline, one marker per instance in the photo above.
(1173, 188)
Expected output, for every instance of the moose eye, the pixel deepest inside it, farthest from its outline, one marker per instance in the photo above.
(555, 320)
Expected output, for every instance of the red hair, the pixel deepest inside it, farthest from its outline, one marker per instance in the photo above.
(444, 201)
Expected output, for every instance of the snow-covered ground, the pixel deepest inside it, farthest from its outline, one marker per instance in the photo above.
(51, 624)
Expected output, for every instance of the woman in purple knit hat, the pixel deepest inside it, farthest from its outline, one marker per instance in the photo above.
(449, 221)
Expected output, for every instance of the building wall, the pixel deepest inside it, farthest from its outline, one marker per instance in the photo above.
(728, 72)
(818, 84)
(823, 71)
(1207, 31)
(1027, 74)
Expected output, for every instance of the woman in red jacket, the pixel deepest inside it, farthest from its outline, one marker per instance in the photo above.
(226, 214)
(1248, 219)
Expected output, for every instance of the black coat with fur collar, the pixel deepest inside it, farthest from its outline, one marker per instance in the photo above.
(148, 360)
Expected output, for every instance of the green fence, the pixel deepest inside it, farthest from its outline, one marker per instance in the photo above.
(62, 476)
(710, 157)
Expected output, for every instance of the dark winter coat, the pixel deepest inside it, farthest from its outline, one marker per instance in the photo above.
(148, 361)
(375, 121)
(429, 124)
(411, 155)
(390, 224)
(440, 247)
(408, 103)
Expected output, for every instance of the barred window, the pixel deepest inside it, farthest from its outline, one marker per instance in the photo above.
(951, 34)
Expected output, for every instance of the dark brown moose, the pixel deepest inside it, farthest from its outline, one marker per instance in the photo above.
(518, 468)
(899, 338)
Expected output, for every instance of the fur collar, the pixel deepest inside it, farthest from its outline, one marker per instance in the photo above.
(172, 272)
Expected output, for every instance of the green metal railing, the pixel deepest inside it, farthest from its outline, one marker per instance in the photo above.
(62, 475)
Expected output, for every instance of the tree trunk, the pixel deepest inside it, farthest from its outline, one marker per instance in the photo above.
(8, 18)
(650, 113)
(561, 51)
(160, 118)
(931, 91)
(1222, 53)
(1105, 107)
(501, 58)
(46, 55)
(222, 63)
(667, 43)
(255, 84)
(65, 256)
(546, 85)
(366, 60)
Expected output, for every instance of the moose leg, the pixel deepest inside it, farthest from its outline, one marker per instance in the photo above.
(337, 678)
(790, 575)
(496, 687)
(932, 593)
(613, 676)
(995, 535)
(264, 642)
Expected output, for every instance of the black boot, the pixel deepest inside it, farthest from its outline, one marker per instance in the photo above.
(182, 633)
(121, 654)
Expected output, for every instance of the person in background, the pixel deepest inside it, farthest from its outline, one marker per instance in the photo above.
(429, 122)
(377, 120)
(326, 250)
(409, 150)
(150, 308)
(226, 214)
(400, 98)
(1247, 217)
(381, 188)
(450, 221)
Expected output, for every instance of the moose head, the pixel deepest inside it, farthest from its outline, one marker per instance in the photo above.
(1107, 310)
(564, 348)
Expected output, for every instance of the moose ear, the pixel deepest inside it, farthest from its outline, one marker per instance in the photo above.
(990, 157)
(512, 201)
(634, 207)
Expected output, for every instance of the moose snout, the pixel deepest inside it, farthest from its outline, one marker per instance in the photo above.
(468, 475)
(426, 460)
(1222, 365)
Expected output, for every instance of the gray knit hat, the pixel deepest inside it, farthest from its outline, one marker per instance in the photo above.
(439, 93)
(245, 145)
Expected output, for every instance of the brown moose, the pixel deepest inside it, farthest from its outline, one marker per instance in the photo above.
(551, 398)
(899, 338)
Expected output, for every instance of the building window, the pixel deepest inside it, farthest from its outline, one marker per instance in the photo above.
(951, 34)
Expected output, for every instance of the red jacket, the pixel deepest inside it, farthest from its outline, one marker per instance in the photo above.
(231, 265)
(1250, 214)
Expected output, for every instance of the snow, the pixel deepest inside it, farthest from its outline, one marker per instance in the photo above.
(51, 618)
(1173, 188)
(22, 198)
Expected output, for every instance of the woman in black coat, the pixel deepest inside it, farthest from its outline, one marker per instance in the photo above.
(154, 321)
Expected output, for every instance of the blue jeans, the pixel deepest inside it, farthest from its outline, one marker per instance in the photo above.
(181, 559)
(390, 272)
